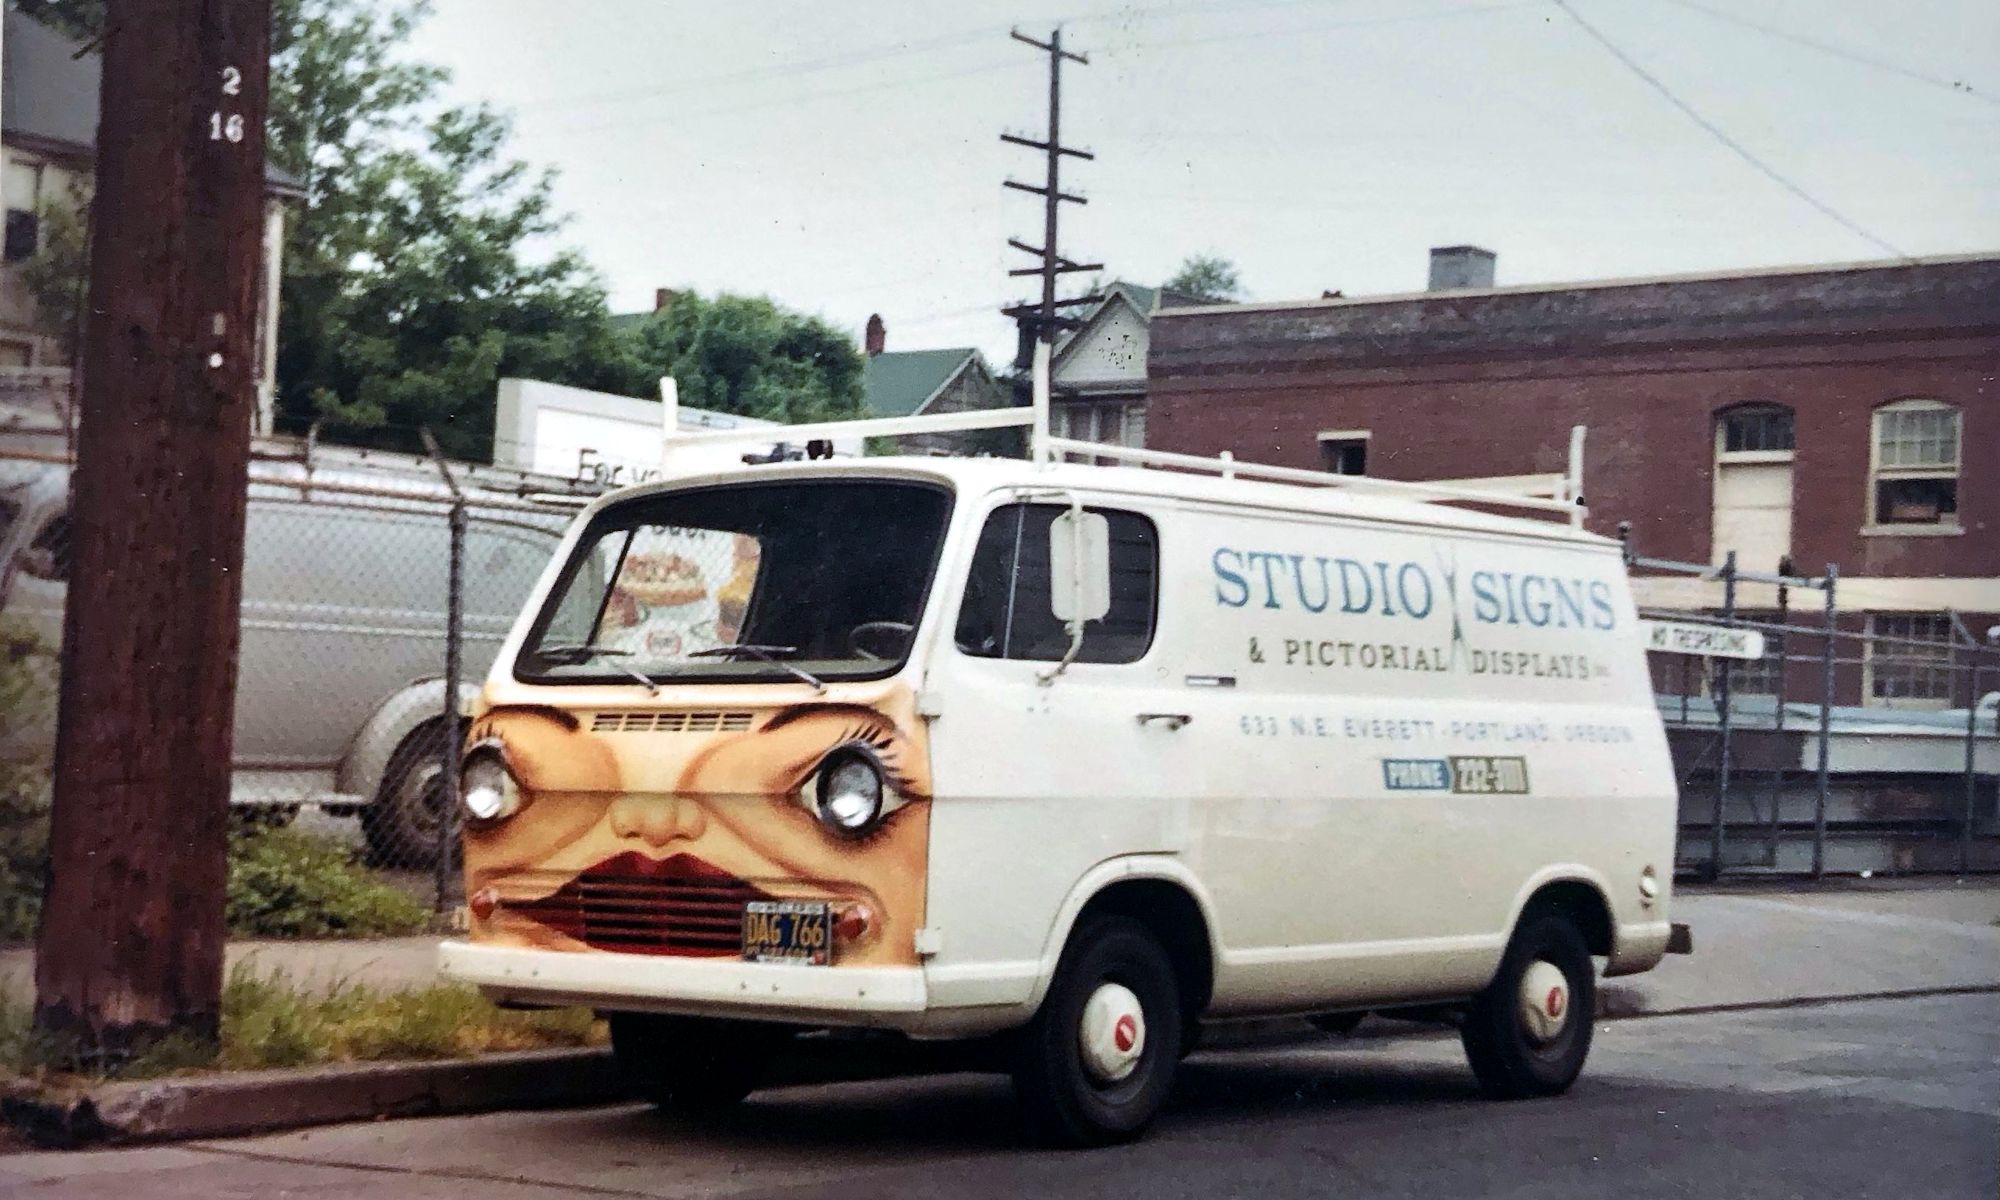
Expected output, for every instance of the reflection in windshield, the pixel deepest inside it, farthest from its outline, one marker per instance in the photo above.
(805, 581)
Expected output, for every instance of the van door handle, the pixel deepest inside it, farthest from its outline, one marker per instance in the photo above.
(1170, 720)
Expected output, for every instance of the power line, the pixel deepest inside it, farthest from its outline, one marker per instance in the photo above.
(1294, 30)
(788, 101)
(754, 74)
(1957, 87)
(1715, 131)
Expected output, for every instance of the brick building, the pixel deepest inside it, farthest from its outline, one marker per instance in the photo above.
(1845, 414)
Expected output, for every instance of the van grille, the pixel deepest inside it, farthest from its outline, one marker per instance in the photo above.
(669, 722)
(643, 914)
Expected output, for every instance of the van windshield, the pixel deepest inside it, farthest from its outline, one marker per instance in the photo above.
(807, 580)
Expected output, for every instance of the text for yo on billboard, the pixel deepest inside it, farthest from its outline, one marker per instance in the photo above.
(1329, 585)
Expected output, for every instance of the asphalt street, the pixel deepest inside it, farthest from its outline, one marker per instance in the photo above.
(1892, 1098)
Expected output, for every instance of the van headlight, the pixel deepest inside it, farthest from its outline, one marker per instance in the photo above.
(486, 788)
(848, 794)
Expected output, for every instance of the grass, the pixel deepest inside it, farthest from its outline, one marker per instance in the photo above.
(270, 1020)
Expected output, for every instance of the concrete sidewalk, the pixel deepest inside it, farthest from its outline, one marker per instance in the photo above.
(1771, 943)
(1755, 944)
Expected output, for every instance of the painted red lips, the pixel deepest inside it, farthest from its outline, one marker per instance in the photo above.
(636, 904)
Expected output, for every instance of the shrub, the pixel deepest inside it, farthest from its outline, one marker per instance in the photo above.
(24, 790)
(291, 884)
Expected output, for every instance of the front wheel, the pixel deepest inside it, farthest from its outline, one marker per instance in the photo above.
(691, 1065)
(1095, 1065)
(1528, 1033)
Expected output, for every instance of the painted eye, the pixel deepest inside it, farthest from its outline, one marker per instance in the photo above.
(851, 790)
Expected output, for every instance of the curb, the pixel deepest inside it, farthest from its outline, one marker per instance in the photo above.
(248, 1102)
(251, 1102)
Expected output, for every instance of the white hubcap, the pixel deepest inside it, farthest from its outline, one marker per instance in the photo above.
(1113, 1033)
(1544, 1001)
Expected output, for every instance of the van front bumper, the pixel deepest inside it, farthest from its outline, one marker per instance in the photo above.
(874, 997)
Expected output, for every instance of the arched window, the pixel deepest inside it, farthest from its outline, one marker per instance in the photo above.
(1913, 464)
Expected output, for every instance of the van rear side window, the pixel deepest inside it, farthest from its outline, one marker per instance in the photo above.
(1006, 611)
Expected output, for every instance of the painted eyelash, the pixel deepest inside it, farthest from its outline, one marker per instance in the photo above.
(882, 740)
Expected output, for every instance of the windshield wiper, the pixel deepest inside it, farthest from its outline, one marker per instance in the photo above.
(764, 654)
(577, 652)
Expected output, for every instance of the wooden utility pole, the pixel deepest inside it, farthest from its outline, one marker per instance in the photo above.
(130, 944)
(1043, 319)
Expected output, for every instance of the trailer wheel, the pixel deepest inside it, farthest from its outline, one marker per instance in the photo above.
(1528, 1033)
(691, 1065)
(401, 826)
(1095, 1065)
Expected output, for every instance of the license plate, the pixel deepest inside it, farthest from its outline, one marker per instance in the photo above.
(788, 931)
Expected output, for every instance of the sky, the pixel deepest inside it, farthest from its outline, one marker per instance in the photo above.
(844, 158)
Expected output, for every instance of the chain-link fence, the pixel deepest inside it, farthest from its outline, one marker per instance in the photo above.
(1832, 731)
(375, 587)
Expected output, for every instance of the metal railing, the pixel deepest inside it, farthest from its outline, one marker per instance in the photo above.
(1887, 741)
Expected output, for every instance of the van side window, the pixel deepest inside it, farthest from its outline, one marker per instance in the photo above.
(48, 555)
(1006, 611)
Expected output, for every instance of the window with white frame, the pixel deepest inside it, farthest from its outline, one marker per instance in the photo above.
(1914, 464)
(1909, 659)
(21, 184)
(1344, 451)
(1116, 422)
(1753, 485)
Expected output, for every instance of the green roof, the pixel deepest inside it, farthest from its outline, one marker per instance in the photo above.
(896, 383)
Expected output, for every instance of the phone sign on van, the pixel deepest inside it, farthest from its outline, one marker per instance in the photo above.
(1467, 774)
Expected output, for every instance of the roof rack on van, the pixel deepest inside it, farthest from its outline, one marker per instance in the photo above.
(1559, 493)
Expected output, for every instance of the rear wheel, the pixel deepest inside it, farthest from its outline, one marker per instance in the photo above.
(402, 825)
(689, 1064)
(1528, 1033)
(1096, 1063)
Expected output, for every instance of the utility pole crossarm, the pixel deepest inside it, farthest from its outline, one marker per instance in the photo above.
(1052, 47)
(1032, 144)
(1061, 268)
(1043, 191)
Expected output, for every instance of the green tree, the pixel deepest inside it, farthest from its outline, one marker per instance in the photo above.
(1207, 276)
(55, 275)
(744, 354)
(418, 270)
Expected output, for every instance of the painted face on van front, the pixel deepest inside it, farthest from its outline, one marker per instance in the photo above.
(734, 812)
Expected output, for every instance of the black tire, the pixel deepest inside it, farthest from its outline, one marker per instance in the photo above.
(691, 1065)
(402, 825)
(1060, 1099)
(1511, 1060)
(1337, 1023)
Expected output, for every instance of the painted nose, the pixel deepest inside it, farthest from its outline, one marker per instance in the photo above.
(657, 819)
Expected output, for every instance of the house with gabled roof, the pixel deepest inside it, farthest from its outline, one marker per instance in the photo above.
(908, 383)
(1098, 372)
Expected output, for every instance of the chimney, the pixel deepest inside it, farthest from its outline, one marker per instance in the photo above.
(877, 336)
(1455, 267)
(662, 297)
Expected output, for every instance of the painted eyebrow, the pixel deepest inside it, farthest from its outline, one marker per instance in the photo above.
(799, 712)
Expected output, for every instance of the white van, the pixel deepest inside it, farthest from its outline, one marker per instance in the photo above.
(340, 697)
(1077, 756)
